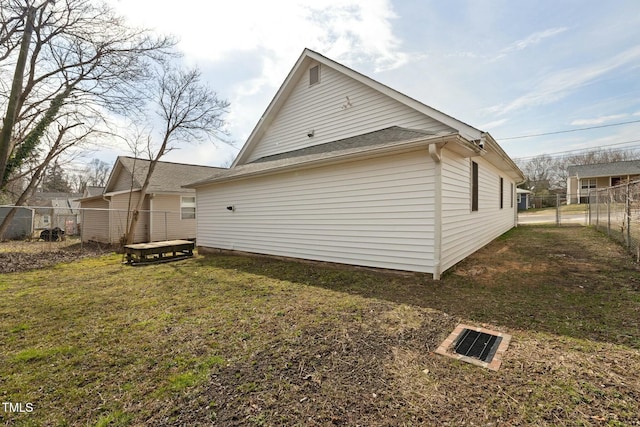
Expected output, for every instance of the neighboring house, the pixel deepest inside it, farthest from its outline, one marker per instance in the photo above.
(92, 191)
(341, 168)
(21, 225)
(523, 199)
(56, 210)
(168, 212)
(582, 178)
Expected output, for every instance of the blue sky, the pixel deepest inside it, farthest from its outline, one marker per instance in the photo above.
(508, 67)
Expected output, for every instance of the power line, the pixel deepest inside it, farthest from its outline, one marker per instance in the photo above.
(569, 130)
(579, 150)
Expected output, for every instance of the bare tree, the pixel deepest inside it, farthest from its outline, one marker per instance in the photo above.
(66, 60)
(96, 173)
(545, 173)
(80, 56)
(67, 136)
(189, 110)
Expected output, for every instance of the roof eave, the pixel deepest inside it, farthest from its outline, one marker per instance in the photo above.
(467, 131)
(369, 152)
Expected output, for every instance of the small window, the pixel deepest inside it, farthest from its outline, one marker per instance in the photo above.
(474, 186)
(501, 192)
(187, 208)
(314, 75)
(46, 219)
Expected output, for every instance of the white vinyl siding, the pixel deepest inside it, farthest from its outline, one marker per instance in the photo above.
(166, 222)
(118, 218)
(324, 108)
(464, 231)
(95, 223)
(374, 212)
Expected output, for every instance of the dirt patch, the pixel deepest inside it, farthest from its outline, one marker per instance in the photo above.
(328, 375)
(18, 256)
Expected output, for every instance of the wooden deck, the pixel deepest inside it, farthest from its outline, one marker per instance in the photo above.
(169, 250)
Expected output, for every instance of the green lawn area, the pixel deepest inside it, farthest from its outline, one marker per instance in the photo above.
(234, 340)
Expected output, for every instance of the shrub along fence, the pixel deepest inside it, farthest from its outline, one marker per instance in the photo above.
(616, 211)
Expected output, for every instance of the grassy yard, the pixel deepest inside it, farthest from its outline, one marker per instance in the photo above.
(231, 340)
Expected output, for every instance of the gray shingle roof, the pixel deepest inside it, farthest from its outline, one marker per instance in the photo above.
(359, 144)
(167, 177)
(383, 136)
(631, 167)
(92, 190)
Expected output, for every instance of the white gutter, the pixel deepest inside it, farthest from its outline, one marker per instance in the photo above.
(364, 153)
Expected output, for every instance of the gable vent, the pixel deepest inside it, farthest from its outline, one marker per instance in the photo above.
(314, 75)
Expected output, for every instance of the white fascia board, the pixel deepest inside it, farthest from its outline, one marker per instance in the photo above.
(358, 155)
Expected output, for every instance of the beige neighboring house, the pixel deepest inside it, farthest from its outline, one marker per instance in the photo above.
(583, 178)
(342, 168)
(169, 210)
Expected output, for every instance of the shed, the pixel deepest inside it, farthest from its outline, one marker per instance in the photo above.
(21, 225)
(523, 199)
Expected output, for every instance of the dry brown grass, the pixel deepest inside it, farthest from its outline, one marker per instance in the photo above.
(233, 340)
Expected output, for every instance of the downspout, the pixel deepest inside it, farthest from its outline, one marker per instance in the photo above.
(435, 151)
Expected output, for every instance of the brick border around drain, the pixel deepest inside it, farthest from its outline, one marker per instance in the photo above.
(446, 348)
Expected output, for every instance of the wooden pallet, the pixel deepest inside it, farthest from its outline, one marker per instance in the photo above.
(155, 252)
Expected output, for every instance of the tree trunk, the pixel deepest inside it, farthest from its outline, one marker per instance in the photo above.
(143, 194)
(6, 147)
(23, 197)
(53, 153)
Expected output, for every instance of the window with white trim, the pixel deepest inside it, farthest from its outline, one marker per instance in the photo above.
(588, 183)
(187, 207)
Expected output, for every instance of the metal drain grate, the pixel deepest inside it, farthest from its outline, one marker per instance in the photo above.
(477, 344)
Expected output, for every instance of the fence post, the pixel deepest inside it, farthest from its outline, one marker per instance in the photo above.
(557, 209)
(81, 229)
(628, 215)
(609, 212)
(589, 207)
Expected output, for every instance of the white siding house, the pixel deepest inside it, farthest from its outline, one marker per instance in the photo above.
(341, 168)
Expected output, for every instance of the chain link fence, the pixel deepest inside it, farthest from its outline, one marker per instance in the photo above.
(554, 209)
(616, 211)
(96, 225)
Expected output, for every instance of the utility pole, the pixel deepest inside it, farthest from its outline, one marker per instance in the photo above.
(6, 145)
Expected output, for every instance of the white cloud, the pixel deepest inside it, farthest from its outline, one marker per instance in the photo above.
(210, 30)
(598, 120)
(272, 36)
(560, 84)
(533, 39)
(492, 125)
